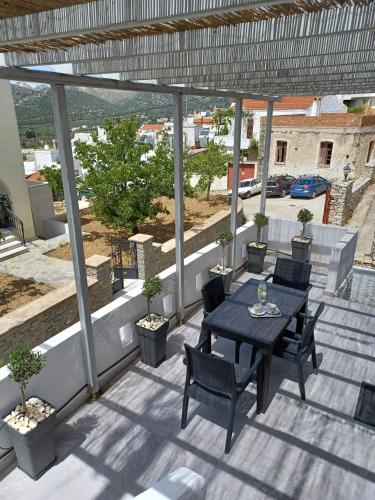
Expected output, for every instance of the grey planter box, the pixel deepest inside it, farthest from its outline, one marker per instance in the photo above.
(227, 278)
(153, 344)
(255, 258)
(36, 450)
(301, 250)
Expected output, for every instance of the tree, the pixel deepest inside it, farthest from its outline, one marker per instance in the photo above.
(53, 176)
(162, 162)
(125, 176)
(152, 286)
(23, 363)
(222, 118)
(209, 165)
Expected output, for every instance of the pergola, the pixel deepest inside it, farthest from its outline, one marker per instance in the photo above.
(255, 49)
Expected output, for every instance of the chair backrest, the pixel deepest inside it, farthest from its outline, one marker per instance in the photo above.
(309, 328)
(210, 372)
(292, 273)
(213, 293)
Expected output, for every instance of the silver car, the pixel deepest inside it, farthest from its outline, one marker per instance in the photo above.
(248, 187)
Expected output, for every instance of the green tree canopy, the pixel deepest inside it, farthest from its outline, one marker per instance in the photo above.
(209, 165)
(222, 118)
(125, 178)
(53, 176)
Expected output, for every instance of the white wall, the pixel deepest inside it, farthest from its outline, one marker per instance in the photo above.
(46, 157)
(41, 203)
(113, 325)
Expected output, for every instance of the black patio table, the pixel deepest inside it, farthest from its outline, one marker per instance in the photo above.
(232, 320)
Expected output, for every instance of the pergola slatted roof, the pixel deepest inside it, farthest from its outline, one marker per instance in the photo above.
(102, 20)
(271, 46)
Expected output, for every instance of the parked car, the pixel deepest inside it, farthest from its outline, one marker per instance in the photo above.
(279, 185)
(308, 186)
(248, 187)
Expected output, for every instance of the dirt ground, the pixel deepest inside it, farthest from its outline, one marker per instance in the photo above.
(99, 240)
(15, 292)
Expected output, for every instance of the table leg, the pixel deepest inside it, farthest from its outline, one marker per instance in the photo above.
(266, 378)
(205, 334)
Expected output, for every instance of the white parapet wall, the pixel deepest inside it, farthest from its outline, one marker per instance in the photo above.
(114, 332)
(113, 325)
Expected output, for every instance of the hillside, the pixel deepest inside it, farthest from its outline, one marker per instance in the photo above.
(91, 106)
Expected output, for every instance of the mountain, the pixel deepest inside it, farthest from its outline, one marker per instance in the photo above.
(91, 106)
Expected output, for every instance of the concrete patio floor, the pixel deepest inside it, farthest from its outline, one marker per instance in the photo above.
(131, 437)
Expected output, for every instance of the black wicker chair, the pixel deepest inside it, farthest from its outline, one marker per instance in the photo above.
(213, 295)
(215, 381)
(291, 273)
(297, 348)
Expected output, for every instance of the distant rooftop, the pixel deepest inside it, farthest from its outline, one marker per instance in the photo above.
(295, 102)
(148, 127)
(324, 120)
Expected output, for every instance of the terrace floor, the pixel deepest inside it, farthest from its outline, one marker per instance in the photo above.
(131, 437)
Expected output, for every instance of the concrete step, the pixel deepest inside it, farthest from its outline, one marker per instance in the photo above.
(13, 252)
(8, 238)
(9, 245)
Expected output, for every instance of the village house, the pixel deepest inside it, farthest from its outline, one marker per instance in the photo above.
(151, 132)
(332, 140)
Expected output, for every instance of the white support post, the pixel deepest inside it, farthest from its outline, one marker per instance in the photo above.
(71, 202)
(179, 203)
(235, 179)
(266, 157)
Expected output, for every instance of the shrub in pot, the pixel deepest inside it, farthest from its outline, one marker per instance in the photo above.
(256, 250)
(32, 423)
(152, 329)
(301, 244)
(223, 239)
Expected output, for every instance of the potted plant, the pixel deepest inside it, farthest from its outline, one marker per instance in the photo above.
(32, 423)
(256, 250)
(223, 239)
(301, 244)
(152, 329)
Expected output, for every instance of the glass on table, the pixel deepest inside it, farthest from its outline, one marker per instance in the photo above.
(262, 292)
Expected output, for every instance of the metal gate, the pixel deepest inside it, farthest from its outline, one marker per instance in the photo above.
(124, 261)
(9, 220)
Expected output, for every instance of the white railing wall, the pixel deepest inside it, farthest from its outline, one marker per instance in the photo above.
(114, 332)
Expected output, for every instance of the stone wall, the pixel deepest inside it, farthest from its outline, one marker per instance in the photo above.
(350, 144)
(41, 319)
(345, 196)
(155, 257)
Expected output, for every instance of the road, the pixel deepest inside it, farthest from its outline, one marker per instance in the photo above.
(285, 208)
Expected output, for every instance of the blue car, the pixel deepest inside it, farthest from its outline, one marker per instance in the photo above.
(308, 186)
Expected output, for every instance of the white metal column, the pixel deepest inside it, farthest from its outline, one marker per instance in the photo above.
(266, 157)
(179, 203)
(235, 178)
(71, 202)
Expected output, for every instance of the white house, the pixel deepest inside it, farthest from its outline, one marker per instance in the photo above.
(46, 157)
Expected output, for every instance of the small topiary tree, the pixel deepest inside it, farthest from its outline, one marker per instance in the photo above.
(152, 286)
(304, 216)
(261, 221)
(223, 239)
(23, 363)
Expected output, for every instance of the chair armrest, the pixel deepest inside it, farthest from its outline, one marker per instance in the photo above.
(292, 341)
(201, 343)
(227, 294)
(303, 315)
(205, 313)
(308, 288)
(268, 277)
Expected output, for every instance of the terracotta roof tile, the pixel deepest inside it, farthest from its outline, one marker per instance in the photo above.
(298, 102)
(204, 119)
(324, 120)
(151, 126)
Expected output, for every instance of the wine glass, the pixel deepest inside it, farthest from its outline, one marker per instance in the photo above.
(262, 292)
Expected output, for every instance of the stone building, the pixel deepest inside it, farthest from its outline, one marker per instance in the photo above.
(320, 144)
